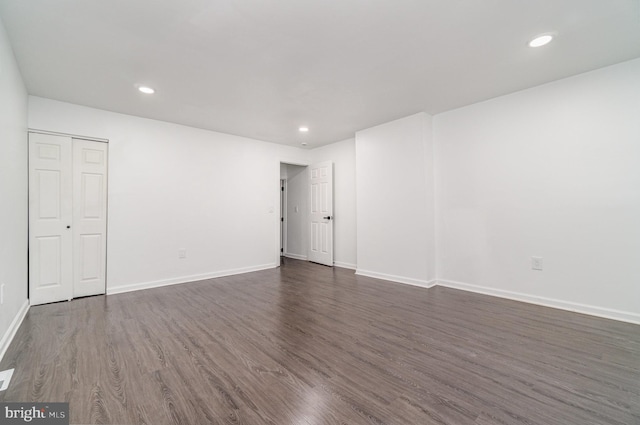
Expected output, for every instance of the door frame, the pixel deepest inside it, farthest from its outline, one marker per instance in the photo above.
(72, 136)
(283, 217)
(278, 210)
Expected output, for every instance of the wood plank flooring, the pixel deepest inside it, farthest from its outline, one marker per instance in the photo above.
(308, 344)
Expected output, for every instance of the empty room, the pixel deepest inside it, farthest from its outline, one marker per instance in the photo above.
(320, 212)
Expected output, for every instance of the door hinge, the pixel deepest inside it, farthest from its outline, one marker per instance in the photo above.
(281, 249)
(282, 219)
(282, 188)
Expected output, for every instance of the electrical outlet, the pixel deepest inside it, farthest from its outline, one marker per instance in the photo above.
(536, 263)
(182, 252)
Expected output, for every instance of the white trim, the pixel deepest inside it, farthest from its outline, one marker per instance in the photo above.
(13, 328)
(398, 279)
(623, 316)
(73, 136)
(345, 265)
(186, 279)
(295, 256)
(284, 220)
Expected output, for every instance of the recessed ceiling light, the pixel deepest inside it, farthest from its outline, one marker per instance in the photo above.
(541, 40)
(303, 129)
(146, 90)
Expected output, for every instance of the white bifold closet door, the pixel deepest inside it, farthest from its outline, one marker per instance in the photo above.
(67, 217)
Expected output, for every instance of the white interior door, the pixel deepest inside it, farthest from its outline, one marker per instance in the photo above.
(67, 218)
(321, 213)
(89, 217)
(50, 219)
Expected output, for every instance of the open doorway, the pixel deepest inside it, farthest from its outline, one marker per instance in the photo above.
(294, 216)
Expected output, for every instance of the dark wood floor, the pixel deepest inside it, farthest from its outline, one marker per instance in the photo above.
(307, 344)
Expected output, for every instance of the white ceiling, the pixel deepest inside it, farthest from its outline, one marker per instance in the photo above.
(262, 68)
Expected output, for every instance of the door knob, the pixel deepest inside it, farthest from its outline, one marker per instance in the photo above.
(68, 227)
(327, 217)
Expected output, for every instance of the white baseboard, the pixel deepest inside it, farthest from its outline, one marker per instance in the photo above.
(345, 265)
(606, 313)
(397, 279)
(13, 328)
(185, 279)
(295, 256)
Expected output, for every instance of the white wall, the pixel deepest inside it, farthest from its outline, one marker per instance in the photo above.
(551, 172)
(172, 187)
(554, 172)
(394, 180)
(297, 221)
(13, 193)
(343, 155)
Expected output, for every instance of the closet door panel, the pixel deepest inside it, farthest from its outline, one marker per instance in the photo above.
(67, 217)
(90, 217)
(50, 219)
